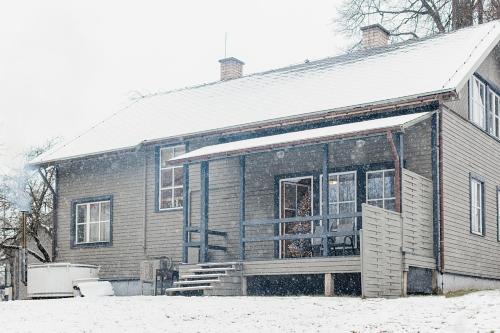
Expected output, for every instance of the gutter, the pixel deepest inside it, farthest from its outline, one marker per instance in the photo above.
(408, 101)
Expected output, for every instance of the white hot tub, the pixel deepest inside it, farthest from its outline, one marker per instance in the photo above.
(56, 279)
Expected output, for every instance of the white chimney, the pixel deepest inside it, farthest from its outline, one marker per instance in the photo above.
(231, 68)
(374, 35)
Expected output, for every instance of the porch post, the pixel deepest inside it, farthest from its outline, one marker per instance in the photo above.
(324, 197)
(242, 206)
(185, 213)
(204, 211)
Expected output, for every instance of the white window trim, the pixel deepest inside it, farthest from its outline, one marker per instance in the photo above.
(495, 112)
(476, 225)
(173, 187)
(474, 103)
(384, 198)
(355, 201)
(87, 223)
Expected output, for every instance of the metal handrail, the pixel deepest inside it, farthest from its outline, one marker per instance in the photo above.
(257, 222)
(302, 236)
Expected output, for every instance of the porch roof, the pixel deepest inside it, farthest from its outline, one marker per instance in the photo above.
(301, 138)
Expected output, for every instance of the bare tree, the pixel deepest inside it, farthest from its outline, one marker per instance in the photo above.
(37, 185)
(416, 18)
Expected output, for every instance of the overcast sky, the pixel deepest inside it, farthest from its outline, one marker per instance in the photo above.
(65, 65)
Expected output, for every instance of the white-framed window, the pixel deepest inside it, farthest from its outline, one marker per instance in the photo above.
(342, 197)
(494, 114)
(380, 189)
(170, 189)
(477, 111)
(477, 206)
(93, 222)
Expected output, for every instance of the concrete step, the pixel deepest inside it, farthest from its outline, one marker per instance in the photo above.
(193, 288)
(191, 282)
(218, 264)
(201, 276)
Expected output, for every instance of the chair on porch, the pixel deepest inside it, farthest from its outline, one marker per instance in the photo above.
(345, 243)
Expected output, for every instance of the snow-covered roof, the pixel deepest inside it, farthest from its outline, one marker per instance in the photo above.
(441, 64)
(310, 136)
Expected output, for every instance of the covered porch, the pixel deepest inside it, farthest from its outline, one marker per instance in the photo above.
(279, 216)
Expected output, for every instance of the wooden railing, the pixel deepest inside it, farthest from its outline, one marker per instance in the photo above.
(324, 233)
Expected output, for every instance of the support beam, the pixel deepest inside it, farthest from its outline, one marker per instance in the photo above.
(242, 206)
(244, 286)
(324, 197)
(204, 181)
(329, 284)
(397, 168)
(185, 212)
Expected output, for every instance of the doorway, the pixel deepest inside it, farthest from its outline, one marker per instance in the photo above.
(296, 200)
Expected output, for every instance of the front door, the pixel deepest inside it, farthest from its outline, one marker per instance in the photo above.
(296, 199)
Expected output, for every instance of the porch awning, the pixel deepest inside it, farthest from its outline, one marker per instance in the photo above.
(302, 138)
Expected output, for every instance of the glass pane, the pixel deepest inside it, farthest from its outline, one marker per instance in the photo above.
(166, 178)
(104, 233)
(166, 199)
(290, 196)
(81, 213)
(389, 184)
(179, 150)
(94, 212)
(289, 213)
(166, 154)
(375, 185)
(333, 187)
(105, 211)
(334, 209)
(178, 197)
(347, 208)
(390, 204)
(377, 203)
(479, 194)
(80, 233)
(178, 176)
(94, 232)
(347, 187)
(303, 201)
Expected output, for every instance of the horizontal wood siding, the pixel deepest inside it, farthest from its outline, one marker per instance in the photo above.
(381, 256)
(467, 149)
(351, 264)
(417, 221)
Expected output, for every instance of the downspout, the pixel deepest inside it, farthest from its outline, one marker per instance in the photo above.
(144, 221)
(441, 209)
(397, 170)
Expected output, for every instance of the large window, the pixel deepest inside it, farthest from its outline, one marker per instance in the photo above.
(93, 222)
(341, 197)
(170, 190)
(477, 206)
(380, 189)
(478, 102)
(494, 114)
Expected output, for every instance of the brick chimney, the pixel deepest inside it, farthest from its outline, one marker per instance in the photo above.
(374, 35)
(231, 68)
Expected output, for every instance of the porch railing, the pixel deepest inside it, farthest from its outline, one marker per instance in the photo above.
(324, 234)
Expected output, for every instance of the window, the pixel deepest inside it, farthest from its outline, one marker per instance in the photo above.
(478, 102)
(380, 189)
(92, 221)
(477, 206)
(170, 179)
(494, 114)
(341, 197)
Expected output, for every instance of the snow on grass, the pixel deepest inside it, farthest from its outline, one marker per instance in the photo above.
(475, 312)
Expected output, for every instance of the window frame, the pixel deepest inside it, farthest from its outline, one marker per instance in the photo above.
(383, 190)
(472, 102)
(73, 230)
(173, 187)
(493, 113)
(482, 206)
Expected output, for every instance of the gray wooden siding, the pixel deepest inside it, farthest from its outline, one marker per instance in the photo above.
(467, 149)
(381, 256)
(351, 264)
(122, 177)
(417, 221)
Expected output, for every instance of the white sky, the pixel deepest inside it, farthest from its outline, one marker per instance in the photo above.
(65, 65)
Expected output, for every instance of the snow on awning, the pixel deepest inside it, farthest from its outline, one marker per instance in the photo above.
(301, 138)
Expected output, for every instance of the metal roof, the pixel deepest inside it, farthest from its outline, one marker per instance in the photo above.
(400, 72)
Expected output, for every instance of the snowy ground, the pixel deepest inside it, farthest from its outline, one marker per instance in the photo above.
(477, 312)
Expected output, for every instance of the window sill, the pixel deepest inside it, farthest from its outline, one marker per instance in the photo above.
(477, 234)
(91, 245)
(169, 210)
